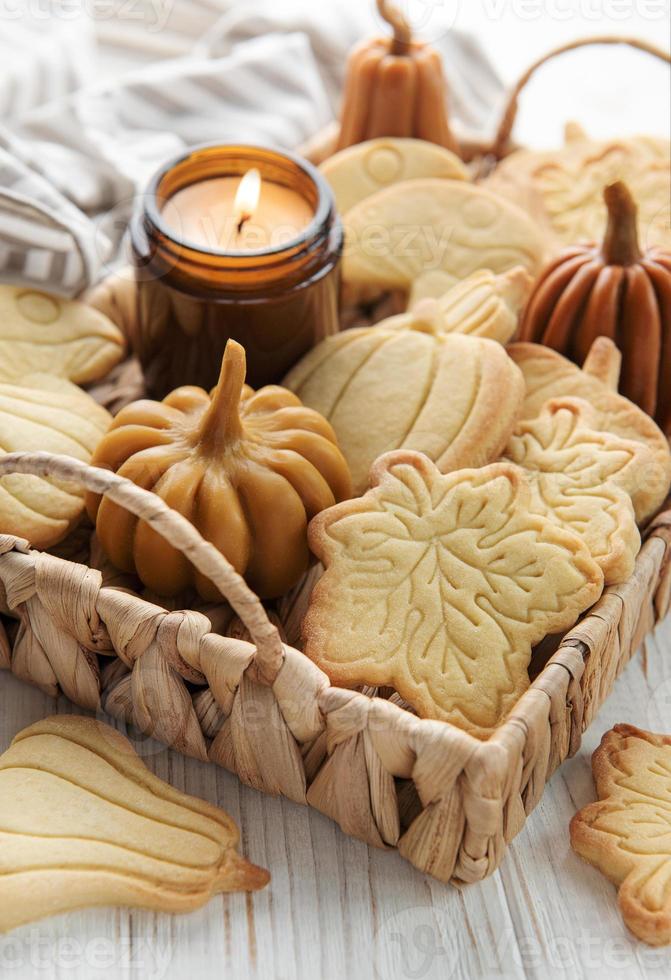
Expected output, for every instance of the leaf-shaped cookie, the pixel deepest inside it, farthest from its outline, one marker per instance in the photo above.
(45, 413)
(548, 375)
(587, 480)
(83, 822)
(41, 332)
(627, 834)
(443, 228)
(563, 189)
(440, 585)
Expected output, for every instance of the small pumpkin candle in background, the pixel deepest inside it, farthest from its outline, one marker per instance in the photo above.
(614, 290)
(395, 87)
(249, 470)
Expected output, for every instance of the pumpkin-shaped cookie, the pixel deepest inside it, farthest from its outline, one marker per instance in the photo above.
(440, 230)
(249, 470)
(615, 290)
(40, 332)
(43, 413)
(453, 397)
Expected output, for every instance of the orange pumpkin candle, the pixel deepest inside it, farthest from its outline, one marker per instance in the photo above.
(248, 469)
(395, 87)
(618, 290)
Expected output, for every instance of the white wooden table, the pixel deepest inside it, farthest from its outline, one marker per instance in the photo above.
(338, 909)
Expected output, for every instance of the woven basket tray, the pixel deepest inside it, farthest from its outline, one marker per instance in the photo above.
(227, 683)
(448, 801)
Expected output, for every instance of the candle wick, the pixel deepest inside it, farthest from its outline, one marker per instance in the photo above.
(242, 222)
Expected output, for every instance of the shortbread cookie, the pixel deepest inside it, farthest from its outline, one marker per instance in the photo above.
(43, 413)
(83, 823)
(563, 188)
(588, 481)
(483, 305)
(626, 834)
(364, 169)
(430, 227)
(550, 375)
(40, 332)
(440, 586)
(455, 398)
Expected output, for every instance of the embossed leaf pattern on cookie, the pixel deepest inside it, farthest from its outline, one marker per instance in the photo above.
(627, 834)
(440, 585)
(586, 480)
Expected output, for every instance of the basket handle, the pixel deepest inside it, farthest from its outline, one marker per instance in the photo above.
(177, 531)
(502, 139)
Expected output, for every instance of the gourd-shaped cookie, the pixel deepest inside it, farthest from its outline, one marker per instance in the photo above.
(84, 823)
(43, 413)
(482, 305)
(40, 332)
(453, 397)
(248, 469)
(440, 586)
(550, 375)
(627, 834)
(442, 229)
(588, 481)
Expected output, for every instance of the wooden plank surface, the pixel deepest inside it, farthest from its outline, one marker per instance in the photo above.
(338, 909)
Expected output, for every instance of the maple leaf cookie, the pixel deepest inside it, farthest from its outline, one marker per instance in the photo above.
(548, 375)
(627, 834)
(591, 482)
(439, 585)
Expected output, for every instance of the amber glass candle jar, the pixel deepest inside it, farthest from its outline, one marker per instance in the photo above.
(278, 300)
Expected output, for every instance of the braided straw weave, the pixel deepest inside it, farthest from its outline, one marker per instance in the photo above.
(449, 802)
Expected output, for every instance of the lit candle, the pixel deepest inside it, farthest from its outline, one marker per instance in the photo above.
(237, 215)
(233, 241)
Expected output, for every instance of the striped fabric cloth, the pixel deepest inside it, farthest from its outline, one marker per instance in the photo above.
(92, 104)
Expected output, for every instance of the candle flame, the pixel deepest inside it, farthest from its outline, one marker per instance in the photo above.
(247, 197)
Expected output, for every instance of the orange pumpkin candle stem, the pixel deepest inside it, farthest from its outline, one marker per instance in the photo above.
(620, 244)
(221, 423)
(402, 40)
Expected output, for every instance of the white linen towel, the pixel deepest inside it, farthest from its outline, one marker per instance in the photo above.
(89, 112)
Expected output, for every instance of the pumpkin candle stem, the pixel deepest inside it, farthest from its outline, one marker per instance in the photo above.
(620, 244)
(402, 41)
(221, 423)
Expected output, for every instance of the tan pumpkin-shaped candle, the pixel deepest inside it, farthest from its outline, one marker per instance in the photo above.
(395, 87)
(453, 397)
(614, 290)
(248, 469)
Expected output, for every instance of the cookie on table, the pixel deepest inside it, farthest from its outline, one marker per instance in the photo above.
(589, 481)
(439, 586)
(626, 833)
(84, 823)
